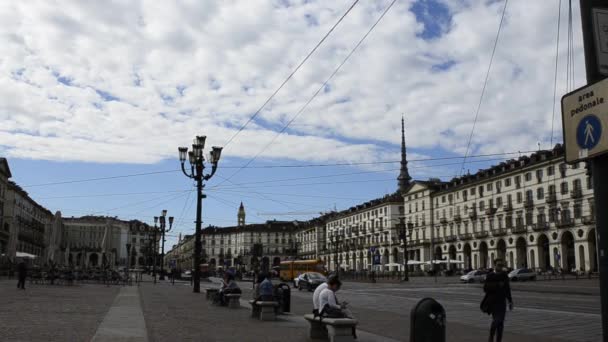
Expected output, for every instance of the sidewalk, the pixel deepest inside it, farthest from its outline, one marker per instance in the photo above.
(125, 320)
(174, 313)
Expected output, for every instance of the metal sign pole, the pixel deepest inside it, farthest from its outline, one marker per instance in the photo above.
(600, 163)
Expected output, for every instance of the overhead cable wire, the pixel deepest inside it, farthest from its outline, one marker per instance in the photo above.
(316, 93)
(485, 83)
(100, 178)
(257, 112)
(277, 166)
(559, 16)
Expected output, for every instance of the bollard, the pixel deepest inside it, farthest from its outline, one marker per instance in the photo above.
(427, 321)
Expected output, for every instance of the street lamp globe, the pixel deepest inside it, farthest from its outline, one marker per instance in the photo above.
(182, 153)
(200, 140)
(216, 152)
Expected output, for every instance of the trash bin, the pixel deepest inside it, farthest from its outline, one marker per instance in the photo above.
(427, 321)
(283, 295)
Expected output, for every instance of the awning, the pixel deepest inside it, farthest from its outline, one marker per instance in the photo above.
(25, 255)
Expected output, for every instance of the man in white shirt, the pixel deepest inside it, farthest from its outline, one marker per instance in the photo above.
(315, 297)
(329, 306)
(327, 296)
(318, 290)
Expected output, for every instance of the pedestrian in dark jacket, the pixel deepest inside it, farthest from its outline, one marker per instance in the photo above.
(498, 293)
(21, 274)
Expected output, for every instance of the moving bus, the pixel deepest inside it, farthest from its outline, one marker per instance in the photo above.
(293, 268)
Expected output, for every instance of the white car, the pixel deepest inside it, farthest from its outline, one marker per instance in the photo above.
(186, 275)
(522, 274)
(309, 281)
(474, 276)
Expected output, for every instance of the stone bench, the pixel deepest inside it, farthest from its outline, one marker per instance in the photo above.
(264, 311)
(234, 300)
(334, 329)
(210, 293)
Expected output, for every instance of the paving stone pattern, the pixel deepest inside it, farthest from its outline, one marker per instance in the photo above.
(52, 312)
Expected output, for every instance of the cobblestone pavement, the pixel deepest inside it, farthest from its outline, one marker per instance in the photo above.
(174, 313)
(52, 312)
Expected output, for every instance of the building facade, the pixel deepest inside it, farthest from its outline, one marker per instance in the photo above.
(310, 239)
(100, 241)
(27, 222)
(365, 237)
(534, 211)
(5, 174)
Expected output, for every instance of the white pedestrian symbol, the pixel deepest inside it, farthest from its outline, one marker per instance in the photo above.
(588, 132)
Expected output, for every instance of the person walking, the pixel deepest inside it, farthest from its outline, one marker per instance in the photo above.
(21, 274)
(497, 294)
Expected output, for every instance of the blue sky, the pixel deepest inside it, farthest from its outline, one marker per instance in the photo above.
(94, 91)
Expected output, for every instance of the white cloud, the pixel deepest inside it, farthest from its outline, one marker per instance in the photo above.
(180, 69)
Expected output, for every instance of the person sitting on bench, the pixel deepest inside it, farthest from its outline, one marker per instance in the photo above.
(330, 307)
(229, 286)
(265, 290)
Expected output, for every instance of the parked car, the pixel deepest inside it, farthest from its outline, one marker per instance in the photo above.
(186, 275)
(474, 276)
(522, 274)
(309, 280)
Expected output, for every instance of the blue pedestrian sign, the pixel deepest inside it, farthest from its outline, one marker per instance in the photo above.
(589, 132)
(585, 121)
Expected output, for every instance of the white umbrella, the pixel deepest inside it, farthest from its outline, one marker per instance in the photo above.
(25, 255)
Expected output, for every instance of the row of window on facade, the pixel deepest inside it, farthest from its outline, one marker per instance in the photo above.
(529, 198)
(497, 185)
(360, 217)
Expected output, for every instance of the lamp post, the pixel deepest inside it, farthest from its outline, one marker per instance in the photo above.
(197, 166)
(154, 249)
(403, 238)
(128, 260)
(163, 230)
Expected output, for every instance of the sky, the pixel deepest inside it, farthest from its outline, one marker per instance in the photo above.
(110, 89)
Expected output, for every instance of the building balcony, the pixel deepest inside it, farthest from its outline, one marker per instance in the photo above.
(443, 220)
(508, 206)
(519, 228)
(565, 223)
(539, 227)
(499, 232)
(552, 198)
(457, 218)
(424, 241)
(490, 211)
(481, 235)
(576, 193)
(410, 225)
(465, 236)
(529, 203)
(473, 214)
(589, 219)
(450, 238)
(437, 240)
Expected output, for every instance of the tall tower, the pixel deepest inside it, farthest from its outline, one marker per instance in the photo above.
(404, 176)
(241, 216)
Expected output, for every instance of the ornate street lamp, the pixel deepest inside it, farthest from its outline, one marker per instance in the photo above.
(163, 230)
(197, 166)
